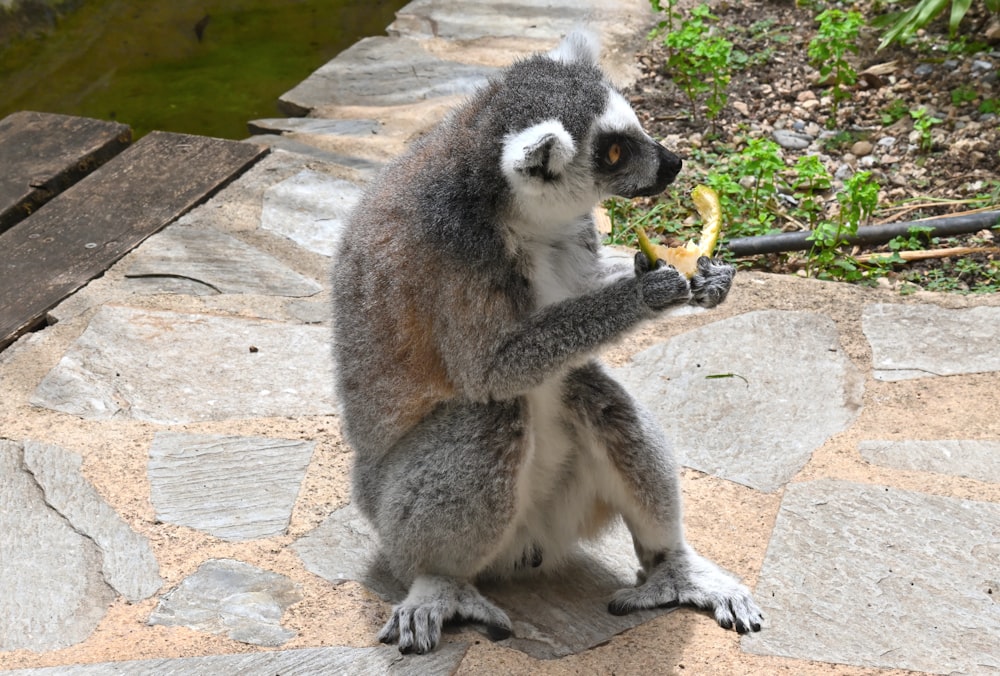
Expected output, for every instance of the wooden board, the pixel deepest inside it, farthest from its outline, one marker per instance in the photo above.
(42, 154)
(83, 231)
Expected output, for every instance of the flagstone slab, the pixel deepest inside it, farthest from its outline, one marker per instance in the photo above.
(974, 459)
(301, 662)
(46, 602)
(920, 341)
(751, 397)
(235, 488)
(175, 368)
(311, 209)
(213, 262)
(540, 19)
(383, 71)
(233, 598)
(553, 614)
(879, 577)
(314, 125)
(128, 563)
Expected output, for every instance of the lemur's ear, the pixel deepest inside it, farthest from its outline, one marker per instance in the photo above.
(540, 151)
(580, 46)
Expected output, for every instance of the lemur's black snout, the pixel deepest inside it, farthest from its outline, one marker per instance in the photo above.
(670, 166)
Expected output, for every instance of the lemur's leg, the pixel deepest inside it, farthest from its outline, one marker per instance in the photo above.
(442, 502)
(643, 485)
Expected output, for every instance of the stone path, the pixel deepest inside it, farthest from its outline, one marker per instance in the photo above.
(173, 484)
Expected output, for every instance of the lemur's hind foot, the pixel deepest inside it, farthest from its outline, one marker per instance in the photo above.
(685, 578)
(433, 600)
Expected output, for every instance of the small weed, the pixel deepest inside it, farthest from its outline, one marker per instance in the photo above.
(700, 61)
(916, 238)
(811, 178)
(857, 201)
(990, 106)
(962, 95)
(922, 122)
(894, 112)
(837, 35)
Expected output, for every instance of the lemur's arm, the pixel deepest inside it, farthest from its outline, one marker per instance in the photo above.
(503, 357)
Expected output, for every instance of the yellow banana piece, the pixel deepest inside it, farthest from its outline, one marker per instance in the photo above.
(685, 258)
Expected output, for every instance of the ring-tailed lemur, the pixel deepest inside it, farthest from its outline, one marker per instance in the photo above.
(471, 298)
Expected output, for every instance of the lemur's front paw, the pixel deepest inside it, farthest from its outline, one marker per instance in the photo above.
(685, 578)
(660, 286)
(711, 283)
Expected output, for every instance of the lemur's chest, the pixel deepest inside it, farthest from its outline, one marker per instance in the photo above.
(561, 269)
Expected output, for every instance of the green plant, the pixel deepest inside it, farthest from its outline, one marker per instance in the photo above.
(924, 11)
(894, 112)
(810, 178)
(963, 94)
(837, 35)
(747, 211)
(700, 61)
(922, 122)
(990, 106)
(915, 238)
(857, 202)
(667, 24)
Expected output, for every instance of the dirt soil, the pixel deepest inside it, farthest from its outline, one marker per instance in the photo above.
(873, 129)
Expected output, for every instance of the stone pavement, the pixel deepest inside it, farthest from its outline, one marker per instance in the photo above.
(173, 484)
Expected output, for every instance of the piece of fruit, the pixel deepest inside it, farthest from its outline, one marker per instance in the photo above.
(685, 258)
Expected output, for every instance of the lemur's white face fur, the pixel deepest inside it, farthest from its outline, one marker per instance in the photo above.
(590, 146)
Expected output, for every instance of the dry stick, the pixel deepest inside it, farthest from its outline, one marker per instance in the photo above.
(931, 253)
(904, 209)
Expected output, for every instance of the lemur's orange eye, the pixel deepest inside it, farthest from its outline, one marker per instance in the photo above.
(614, 153)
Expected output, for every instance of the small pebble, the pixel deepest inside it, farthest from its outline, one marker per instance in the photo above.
(923, 70)
(792, 140)
(887, 141)
(861, 148)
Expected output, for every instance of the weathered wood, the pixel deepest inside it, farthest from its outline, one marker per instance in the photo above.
(42, 154)
(83, 231)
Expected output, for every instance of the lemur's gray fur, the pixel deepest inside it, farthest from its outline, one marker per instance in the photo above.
(471, 298)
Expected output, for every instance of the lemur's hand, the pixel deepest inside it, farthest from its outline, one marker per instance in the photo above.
(660, 285)
(711, 283)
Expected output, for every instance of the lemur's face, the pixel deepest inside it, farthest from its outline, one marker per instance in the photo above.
(571, 139)
(626, 161)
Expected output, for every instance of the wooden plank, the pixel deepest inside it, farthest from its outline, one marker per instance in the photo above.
(42, 154)
(83, 231)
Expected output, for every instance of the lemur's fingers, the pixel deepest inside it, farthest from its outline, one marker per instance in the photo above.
(711, 284)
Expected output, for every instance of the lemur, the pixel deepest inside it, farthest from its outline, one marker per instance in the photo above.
(471, 298)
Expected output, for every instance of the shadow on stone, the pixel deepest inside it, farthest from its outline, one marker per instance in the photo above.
(554, 615)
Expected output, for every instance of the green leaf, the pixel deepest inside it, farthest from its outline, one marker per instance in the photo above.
(958, 10)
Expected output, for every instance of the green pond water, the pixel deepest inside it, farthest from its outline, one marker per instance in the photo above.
(163, 65)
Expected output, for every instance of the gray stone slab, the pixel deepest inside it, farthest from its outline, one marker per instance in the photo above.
(315, 126)
(879, 577)
(473, 19)
(975, 459)
(917, 341)
(383, 71)
(215, 263)
(233, 598)
(128, 563)
(751, 397)
(310, 208)
(46, 602)
(300, 146)
(554, 614)
(302, 662)
(175, 368)
(235, 488)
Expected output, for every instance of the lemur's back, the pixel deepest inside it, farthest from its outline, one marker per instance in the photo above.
(427, 242)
